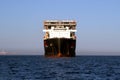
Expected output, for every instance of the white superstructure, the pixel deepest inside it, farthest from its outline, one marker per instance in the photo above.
(59, 29)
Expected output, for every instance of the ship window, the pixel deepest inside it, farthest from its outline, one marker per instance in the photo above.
(53, 22)
(49, 27)
(62, 23)
(73, 27)
(66, 22)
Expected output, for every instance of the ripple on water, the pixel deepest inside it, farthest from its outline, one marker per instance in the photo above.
(41, 68)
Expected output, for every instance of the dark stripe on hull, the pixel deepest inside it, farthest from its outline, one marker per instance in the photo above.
(59, 47)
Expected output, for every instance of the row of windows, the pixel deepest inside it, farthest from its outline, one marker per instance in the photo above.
(60, 23)
(70, 27)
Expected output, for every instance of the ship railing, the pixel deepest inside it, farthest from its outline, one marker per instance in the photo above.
(47, 30)
(73, 30)
(59, 29)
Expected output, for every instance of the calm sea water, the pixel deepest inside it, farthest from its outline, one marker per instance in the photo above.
(77, 68)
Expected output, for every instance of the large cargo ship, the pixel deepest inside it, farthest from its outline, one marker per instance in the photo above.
(59, 38)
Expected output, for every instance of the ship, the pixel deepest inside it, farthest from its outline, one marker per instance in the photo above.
(59, 38)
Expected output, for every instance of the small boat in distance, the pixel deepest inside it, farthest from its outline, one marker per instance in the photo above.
(2, 52)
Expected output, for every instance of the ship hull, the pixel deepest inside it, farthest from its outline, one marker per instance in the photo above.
(59, 47)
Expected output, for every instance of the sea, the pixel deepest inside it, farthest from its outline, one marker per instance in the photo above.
(36, 67)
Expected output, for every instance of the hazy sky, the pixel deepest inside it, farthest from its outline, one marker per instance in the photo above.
(98, 23)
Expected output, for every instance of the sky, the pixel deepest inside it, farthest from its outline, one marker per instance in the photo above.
(98, 23)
